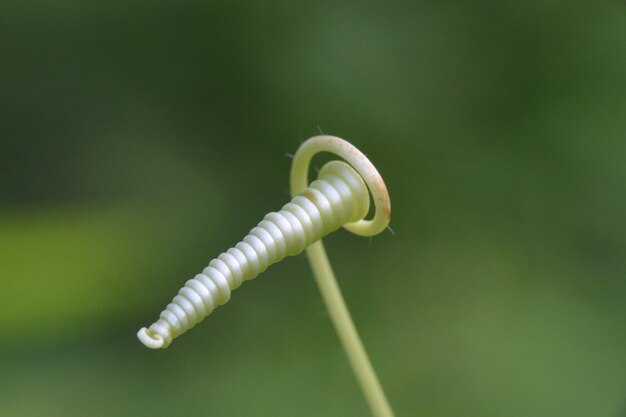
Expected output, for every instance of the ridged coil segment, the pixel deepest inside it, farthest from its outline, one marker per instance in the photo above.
(338, 197)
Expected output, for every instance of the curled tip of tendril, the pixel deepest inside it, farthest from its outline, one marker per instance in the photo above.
(150, 338)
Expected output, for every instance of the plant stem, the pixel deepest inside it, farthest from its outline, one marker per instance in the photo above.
(346, 331)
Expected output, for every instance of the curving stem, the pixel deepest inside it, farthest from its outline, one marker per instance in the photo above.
(322, 270)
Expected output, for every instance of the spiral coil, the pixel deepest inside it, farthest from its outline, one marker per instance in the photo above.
(338, 197)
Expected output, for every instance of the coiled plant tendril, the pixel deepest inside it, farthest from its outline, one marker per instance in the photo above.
(339, 197)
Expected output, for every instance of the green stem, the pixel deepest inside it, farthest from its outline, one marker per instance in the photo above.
(346, 331)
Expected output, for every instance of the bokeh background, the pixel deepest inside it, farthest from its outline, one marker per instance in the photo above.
(138, 140)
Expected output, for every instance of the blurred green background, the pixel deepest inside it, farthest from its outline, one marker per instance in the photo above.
(138, 140)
